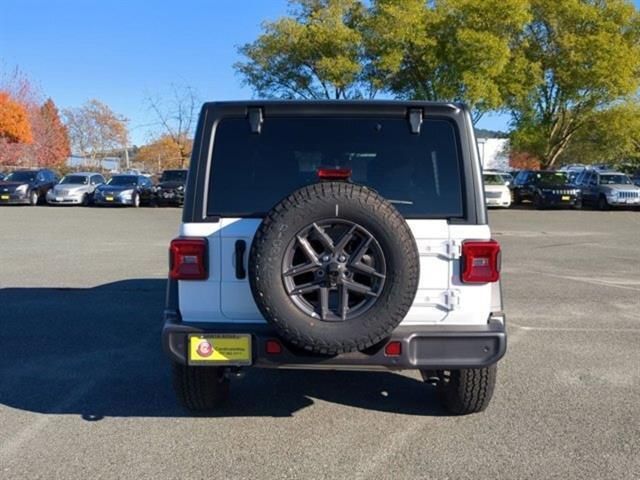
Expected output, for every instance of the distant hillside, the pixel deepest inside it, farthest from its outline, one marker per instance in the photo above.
(482, 133)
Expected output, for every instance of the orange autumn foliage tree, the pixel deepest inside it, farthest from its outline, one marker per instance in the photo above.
(165, 153)
(523, 161)
(14, 121)
(54, 146)
(49, 143)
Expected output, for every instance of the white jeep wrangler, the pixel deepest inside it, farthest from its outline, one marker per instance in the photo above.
(335, 235)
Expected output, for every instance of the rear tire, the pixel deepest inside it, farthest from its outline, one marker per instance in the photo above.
(86, 200)
(468, 390)
(200, 389)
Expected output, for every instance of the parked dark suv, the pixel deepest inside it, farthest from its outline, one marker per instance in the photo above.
(27, 187)
(545, 189)
(170, 189)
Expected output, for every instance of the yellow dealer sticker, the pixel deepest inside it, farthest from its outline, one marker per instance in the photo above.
(222, 349)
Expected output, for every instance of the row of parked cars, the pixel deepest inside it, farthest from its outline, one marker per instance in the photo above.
(33, 187)
(599, 187)
(594, 187)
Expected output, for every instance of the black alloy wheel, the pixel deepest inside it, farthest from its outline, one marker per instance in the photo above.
(334, 270)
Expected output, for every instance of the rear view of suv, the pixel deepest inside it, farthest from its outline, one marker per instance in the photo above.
(335, 235)
(170, 188)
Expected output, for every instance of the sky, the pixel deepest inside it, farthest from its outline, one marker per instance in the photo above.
(121, 52)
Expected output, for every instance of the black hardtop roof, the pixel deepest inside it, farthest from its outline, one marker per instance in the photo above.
(335, 106)
(408, 103)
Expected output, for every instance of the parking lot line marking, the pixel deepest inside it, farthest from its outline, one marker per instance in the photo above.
(573, 329)
(10, 446)
(592, 281)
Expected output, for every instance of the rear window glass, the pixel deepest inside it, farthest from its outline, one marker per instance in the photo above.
(493, 179)
(419, 174)
(551, 178)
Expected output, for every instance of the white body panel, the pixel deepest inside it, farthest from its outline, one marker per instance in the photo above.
(441, 297)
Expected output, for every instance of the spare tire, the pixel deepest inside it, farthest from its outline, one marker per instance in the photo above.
(334, 268)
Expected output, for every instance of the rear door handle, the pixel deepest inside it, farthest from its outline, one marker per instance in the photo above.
(241, 247)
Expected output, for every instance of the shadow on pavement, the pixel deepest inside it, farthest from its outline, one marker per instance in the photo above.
(96, 352)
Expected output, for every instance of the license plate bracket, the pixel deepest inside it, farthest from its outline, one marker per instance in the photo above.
(219, 349)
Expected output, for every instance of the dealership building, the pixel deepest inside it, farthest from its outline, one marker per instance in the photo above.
(494, 153)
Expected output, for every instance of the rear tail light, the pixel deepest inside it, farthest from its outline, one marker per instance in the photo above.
(273, 347)
(188, 259)
(480, 261)
(393, 349)
(334, 173)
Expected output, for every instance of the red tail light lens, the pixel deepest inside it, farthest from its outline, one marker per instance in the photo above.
(188, 259)
(480, 261)
(393, 349)
(334, 173)
(273, 347)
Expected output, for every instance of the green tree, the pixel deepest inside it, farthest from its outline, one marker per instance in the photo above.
(583, 56)
(608, 136)
(318, 52)
(456, 50)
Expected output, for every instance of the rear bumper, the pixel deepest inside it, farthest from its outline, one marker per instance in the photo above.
(14, 199)
(52, 200)
(116, 201)
(172, 199)
(627, 202)
(560, 200)
(498, 202)
(423, 346)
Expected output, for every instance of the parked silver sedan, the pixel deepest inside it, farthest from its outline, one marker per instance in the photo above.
(75, 189)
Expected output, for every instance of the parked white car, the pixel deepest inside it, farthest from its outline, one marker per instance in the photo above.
(496, 191)
(75, 189)
(506, 176)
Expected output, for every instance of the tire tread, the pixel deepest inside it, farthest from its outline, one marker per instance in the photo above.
(467, 390)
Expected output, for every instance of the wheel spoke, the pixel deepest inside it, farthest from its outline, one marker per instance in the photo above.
(307, 249)
(325, 239)
(345, 239)
(367, 270)
(309, 267)
(359, 288)
(305, 288)
(344, 302)
(360, 251)
(324, 302)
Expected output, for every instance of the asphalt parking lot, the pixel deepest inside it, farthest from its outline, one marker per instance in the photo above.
(85, 388)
